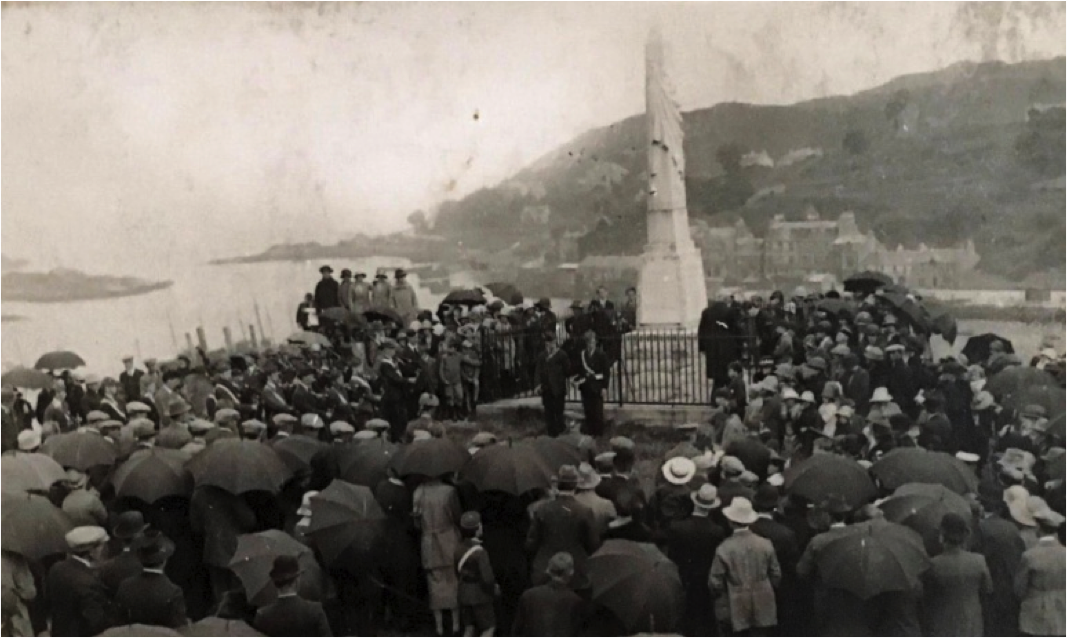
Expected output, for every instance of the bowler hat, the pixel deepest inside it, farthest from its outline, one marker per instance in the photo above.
(325, 269)
(567, 478)
(766, 497)
(154, 549)
(285, 569)
(400, 273)
(544, 303)
(128, 524)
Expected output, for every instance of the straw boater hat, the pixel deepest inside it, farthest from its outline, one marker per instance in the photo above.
(1016, 498)
(740, 511)
(873, 353)
(588, 479)
(706, 498)
(679, 470)
(29, 440)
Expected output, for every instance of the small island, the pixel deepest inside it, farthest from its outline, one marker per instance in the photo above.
(63, 285)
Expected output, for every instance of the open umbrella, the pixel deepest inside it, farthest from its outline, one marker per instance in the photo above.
(432, 457)
(365, 462)
(515, 469)
(977, 347)
(345, 515)
(1053, 399)
(464, 297)
(254, 558)
(297, 450)
(308, 338)
(821, 476)
(215, 626)
(1015, 378)
(29, 472)
(866, 282)
(916, 465)
(921, 506)
(80, 450)
(26, 378)
(557, 451)
(239, 466)
(382, 313)
(32, 526)
(153, 474)
(60, 360)
(507, 293)
(637, 583)
(873, 558)
(138, 629)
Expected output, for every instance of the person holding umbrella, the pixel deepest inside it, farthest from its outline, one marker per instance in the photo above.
(746, 570)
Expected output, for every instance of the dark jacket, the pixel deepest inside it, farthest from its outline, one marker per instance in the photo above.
(80, 604)
(476, 581)
(327, 294)
(291, 615)
(218, 518)
(633, 530)
(718, 341)
(117, 569)
(151, 598)
(549, 610)
(552, 373)
(562, 525)
(592, 370)
(691, 545)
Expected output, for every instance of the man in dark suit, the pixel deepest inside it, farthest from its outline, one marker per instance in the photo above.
(592, 369)
(400, 543)
(150, 598)
(327, 291)
(552, 609)
(621, 478)
(80, 605)
(303, 400)
(552, 372)
(128, 530)
(130, 379)
(788, 552)
(562, 525)
(395, 389)
(290, 615)
(691, 545)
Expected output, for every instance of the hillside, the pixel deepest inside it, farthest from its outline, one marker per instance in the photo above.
(935, 157)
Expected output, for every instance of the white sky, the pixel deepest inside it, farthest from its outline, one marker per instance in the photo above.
(178, 132)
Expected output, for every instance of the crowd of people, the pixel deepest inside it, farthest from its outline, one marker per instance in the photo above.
(496, 536)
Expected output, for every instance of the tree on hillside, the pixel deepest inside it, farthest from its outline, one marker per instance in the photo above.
(855, 142)
(729, 157)
(418, 222)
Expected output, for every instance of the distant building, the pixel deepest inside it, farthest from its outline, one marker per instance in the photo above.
(829, 249)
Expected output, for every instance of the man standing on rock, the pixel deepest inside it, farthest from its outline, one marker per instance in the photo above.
(552, 372)
(327, 291)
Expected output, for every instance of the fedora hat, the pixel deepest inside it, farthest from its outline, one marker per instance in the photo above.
(679, 470)
(177, 408)
(740, 511)
(707, 497)
(881, 395)
(766, 497)
(567, 478)
(325, 269)
(588, 479)
(128, 524)
(285, 568)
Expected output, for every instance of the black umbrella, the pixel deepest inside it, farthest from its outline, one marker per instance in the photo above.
(381, 313)
(432, 457)
(343, 316)
(835, 306)
(26, 379)
(977, 347)
(867, 282)
(153, 474)
(944, 324)
(822, 476)
(908, 309)
(638, 584)
(80, 450)
(32, 526)
(343, 516)
(465, 297)
(507, 293)
(515, 469)
(297, 451)
(239, 466)
(365, 462)
(59, 360)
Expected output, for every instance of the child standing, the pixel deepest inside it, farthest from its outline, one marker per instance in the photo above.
(477, 584)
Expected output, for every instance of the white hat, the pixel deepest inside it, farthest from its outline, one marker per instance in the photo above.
(29, 440)
(377, 424)
(968, 457)
(790, 393)
(415, 325)
(740, 511)
(439, 329)
(807, 397)
(421, 435)
(341, 427)
(1016, 498)
(1048, 353)
(85, 537)
(679, 470)
(777, 479)
(312, 420)
(881, 395)
(365, 435)
(137, 406)
(706, 498)
(846, 411)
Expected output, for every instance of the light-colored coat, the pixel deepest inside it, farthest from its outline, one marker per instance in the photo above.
(747, 570)
(1039, 584)
(405, 301)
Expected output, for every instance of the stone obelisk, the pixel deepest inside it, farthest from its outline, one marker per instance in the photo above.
(671, 287)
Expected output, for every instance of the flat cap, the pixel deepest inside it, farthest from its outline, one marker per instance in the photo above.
(312, 420)
(85, 537)
(377, 424)
(621, 443)
(137, 406)
(226, 414)
(96, 416)
(253, 425)
(341, 427)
